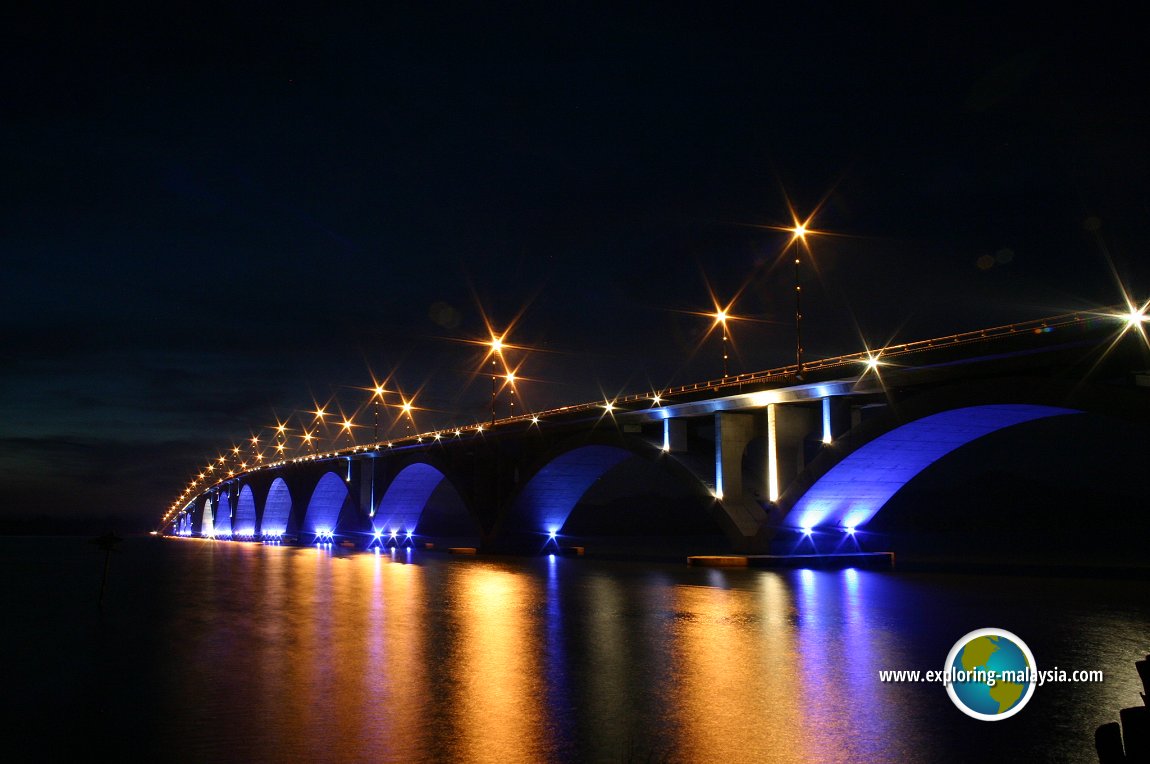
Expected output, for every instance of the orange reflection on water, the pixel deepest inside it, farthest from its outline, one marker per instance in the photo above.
(394, 668)
(738, 688)
(494, 667)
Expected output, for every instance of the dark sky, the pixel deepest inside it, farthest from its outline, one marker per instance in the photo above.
(213, 215)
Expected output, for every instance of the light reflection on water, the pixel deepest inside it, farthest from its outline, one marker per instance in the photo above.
(238, 652)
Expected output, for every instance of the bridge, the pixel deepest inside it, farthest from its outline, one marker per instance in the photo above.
(811, 451)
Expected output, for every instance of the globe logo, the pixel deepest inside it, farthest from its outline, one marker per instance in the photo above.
(991, 674)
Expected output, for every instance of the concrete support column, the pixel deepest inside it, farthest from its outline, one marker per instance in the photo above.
(788, 426)
(772, 452)
(733, 431)
(836, 418)
(675, 436)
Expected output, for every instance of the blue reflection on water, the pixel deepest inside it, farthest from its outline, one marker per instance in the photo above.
(628, 658)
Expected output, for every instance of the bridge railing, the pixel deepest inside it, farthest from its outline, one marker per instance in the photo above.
(1035, 326)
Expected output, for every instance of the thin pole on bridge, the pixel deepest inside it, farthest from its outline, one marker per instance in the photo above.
(799, 234)
(496, 353)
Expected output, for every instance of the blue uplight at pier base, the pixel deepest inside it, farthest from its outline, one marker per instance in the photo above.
(857, 487)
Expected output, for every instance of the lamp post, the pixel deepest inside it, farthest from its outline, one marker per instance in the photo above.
(346, 426)
(511, 396)
(496, 354)
(798, 233)
(407, 407)
(318, 418)
(377, 400)
(721, 321)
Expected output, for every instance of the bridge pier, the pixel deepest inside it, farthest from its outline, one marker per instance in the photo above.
(743, 518)
(675, 435)
(789, 428)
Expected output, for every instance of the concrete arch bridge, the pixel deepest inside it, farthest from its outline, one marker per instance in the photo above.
(788, 453)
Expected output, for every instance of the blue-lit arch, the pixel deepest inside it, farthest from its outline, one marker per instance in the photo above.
(184, 525)
(277, 509)
(327, 500)
(856, 488)
(405, 498)
(244, 525)
(207, 519)
(548, 498)
(222, 517)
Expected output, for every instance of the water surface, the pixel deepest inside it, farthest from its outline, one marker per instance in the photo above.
(217, 651)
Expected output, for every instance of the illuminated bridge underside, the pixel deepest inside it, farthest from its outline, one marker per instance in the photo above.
(548, 499)
(245, 523)
(221, 519)
(857, 487)
(326, 502)
(277, 509)
(401, 506)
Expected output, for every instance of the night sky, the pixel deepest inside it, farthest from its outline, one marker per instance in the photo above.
(212, 217)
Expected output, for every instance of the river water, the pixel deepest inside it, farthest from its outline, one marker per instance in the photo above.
(217, 651)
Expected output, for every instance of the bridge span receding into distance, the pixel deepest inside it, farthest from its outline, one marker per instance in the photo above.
(806, 451)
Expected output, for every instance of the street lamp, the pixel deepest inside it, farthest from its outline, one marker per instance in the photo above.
(346, 426)
(377, 394)
(318, 421)
(496, 354)
(281, 433)
(511, 386)
(406, 408)
(798, 233)
(721, 320)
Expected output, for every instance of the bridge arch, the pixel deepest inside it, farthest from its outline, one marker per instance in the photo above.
(217, 520)
(422, 495)
(850, 493)
(911, 437)
(223, 515)
(244, 525)
(548, 498)
(277, 509)
(208, 517)
(594, 477)
(321, 519)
